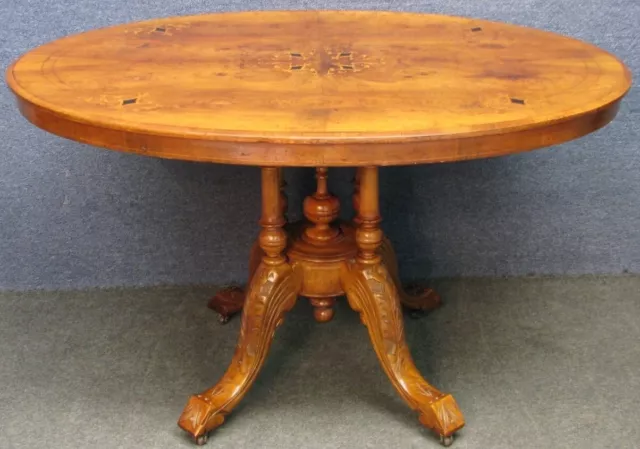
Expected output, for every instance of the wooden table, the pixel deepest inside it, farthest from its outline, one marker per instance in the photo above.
(320, 89)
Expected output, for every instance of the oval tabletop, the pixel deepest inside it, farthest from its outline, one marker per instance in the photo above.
(319, 88)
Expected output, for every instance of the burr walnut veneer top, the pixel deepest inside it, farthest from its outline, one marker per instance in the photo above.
(319, 88)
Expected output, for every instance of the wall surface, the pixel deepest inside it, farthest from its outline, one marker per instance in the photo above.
(74, 216)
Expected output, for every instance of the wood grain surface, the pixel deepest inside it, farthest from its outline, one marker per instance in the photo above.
(319, 88)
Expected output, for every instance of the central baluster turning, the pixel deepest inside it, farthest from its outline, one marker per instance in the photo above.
(321, 209)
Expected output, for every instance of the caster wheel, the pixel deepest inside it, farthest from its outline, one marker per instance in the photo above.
(223, 319)
(202, 439)
(417, 314)
(446, 441)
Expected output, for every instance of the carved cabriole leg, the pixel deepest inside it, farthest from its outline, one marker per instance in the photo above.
(273, 291)
(372, 292)
(229, 301)
(416, 299)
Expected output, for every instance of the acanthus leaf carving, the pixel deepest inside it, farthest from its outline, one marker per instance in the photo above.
(273, 292)
(372, 292)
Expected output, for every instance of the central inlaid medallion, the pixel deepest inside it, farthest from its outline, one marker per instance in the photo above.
(327, 61)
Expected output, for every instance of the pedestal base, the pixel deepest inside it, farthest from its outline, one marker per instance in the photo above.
(321, 259)
(418, 300)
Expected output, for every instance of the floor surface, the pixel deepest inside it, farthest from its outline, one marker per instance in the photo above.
(532, 362)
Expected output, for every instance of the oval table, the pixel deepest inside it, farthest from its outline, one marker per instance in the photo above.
(320, 89)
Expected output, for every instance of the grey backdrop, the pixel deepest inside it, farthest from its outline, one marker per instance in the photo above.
(74, 216)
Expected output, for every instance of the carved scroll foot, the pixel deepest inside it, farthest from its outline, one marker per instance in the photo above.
(273, 291)
(418, 300)
(372, 292)
(229, 301)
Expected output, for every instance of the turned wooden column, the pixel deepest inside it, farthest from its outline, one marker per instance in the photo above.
(368, 233)
(273, 239)
(321, 209)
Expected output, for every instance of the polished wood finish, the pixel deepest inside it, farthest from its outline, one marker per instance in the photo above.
(339, 88)
(320, 89)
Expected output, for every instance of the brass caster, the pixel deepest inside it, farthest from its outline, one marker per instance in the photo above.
(223, 319)
(446, 441)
